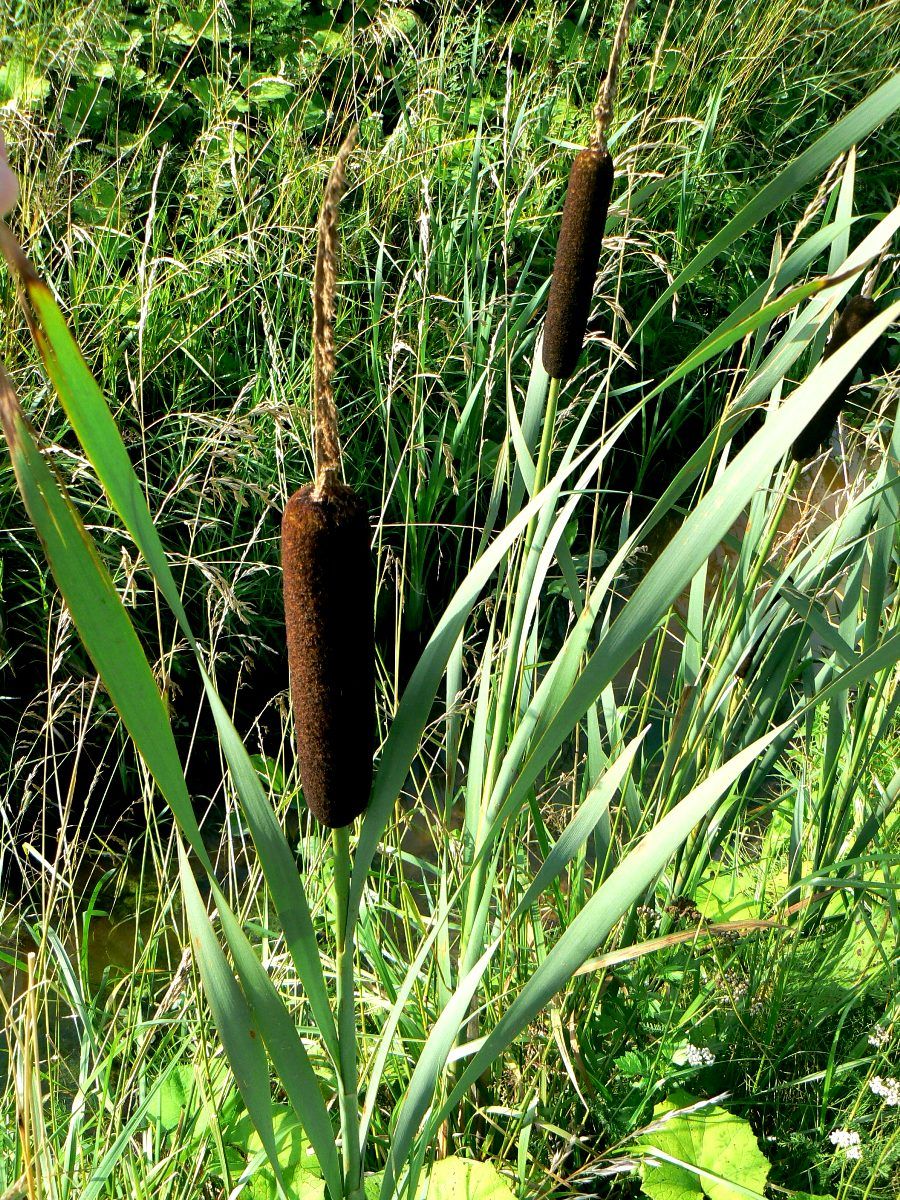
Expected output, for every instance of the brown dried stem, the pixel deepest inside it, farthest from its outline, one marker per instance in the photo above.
(327, 442)
(603, 110)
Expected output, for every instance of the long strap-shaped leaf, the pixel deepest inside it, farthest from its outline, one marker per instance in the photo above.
(95, 428)
(415, 706)
(872, 112)
(778, 362)
(108, 635)
(680, 560)
(99, 615)
(609, 903)
(231, 1013)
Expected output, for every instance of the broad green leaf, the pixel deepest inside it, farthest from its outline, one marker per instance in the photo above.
(457, 1178)
(20, 83)
(293, 1145)
(372, 1185)
(726, 897)
(721, 1145)
(171, 1096)
(302, 1176)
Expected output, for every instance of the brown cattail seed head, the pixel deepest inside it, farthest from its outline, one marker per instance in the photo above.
(857, 313)
(577, 257)
(329, 588)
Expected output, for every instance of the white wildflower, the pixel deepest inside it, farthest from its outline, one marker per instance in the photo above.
(887, 1089)
(846, 1142)
(879, 1036)
(698, 1056)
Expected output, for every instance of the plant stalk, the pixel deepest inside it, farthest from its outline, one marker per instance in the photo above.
(348, 1091)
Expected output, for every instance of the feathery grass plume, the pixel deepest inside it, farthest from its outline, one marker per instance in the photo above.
(857, 313)
(329, 580)
(588, 194)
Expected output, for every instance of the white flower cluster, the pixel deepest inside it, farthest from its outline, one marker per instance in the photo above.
(698, 1056)
(880, 1036)
(846, 1142)
(887, 1089)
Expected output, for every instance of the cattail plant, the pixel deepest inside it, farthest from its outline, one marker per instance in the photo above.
(581, 233)
(858, 312)
(329, 580)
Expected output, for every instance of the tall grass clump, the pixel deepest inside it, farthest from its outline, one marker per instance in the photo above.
(618, 908)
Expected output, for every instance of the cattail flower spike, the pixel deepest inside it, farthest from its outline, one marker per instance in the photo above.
(329, 580)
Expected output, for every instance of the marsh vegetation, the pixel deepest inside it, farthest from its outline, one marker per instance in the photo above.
(621, 915)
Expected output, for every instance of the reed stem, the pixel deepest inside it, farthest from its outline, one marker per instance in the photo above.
(348, 1090)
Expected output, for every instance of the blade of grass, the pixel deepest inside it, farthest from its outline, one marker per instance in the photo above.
(95, 428)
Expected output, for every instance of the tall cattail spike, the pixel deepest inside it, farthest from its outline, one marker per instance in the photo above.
(858, 312)
(583, 224)
(329, 581)
(577, 258)
(329, 589)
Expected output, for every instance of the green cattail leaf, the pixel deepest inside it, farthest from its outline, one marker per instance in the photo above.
(99, 615)
(677, 565)
(286, 1050)
(434, 1055)
(93, 423)
(610, 902)
(412, 715)
(851, 129)
(776, 365)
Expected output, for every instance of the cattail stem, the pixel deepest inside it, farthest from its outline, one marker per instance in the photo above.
(348, 1089)
(543, 463)
(327, 441)
(603, 110)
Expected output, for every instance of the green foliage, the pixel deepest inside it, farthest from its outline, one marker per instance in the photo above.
(721, 1145)
(453, 1178)
(172, 161)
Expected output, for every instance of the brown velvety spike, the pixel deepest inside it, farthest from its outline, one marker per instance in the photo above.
(857, 313)
(577, 257)
(329, 588)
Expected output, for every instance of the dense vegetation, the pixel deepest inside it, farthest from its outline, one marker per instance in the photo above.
(172, 161)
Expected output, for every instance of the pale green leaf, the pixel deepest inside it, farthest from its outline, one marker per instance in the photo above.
(719, 1144)
(466, 1179)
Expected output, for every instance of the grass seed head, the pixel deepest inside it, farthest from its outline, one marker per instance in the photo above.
(577, 258)
(858, 312)
(329, 586)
